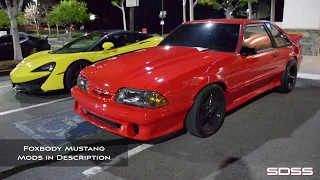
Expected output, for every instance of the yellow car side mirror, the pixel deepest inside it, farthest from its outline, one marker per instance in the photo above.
(107, 45)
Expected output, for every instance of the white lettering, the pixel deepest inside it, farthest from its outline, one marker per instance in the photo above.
(286, 171)
(30, 158)
(83, 158)
(41, 148)
(272, 171)
(296, 171)
(308, 171)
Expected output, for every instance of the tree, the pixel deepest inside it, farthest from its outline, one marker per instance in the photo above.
(184, 3)
(249, 10)
(5, 21)
(22, 21)
(227, 5)
(34, 15)
(12, 8)
(120, 5)
(70, 12)
(45, 8)
(53, 19)
(192, 4)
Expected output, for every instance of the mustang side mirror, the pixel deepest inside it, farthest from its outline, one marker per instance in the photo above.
(246, 51)
(107, 45)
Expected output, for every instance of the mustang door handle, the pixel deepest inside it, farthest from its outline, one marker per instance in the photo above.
(275, 55)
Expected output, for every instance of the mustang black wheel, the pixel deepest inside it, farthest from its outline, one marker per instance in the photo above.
(289, 77)
(207, 113)
(72, 73)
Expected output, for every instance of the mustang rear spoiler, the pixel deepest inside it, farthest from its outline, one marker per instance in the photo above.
(296, 37)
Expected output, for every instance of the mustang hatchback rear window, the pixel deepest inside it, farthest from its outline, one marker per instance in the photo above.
(215, 36)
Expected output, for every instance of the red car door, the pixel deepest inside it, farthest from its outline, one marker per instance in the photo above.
(254, 70)
(284, 49)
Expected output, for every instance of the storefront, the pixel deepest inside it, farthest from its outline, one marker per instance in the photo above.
(295, 16)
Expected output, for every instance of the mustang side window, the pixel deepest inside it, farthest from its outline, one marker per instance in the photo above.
(257, 37)
(279, 38)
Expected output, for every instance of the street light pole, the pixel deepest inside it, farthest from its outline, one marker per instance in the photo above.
(162, 18)
(131, 18)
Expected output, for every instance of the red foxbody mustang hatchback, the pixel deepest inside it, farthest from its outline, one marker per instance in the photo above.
(197, 73)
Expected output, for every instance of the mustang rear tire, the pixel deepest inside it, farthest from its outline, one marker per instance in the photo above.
(207, 113)
(72, 73)
(289, 77)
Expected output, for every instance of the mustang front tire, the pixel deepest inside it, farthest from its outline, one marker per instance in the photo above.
(72, 73)
(207, 113)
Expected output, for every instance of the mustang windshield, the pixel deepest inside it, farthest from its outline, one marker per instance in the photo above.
(79, 45)
(214, 36)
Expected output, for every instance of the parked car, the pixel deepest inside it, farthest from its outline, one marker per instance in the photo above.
(59, 69)
(197, 73)
(29, 45)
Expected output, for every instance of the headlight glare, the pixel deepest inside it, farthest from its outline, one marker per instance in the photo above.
(47, 67)
(82, 83)
(140, 98)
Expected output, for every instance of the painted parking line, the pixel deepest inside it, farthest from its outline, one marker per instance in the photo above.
(309, 76)
(58, 128)
(63, 127)
(5, 86)
(96, 169)
(33, 106)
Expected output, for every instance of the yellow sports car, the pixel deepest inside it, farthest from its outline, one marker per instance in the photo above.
(54, 70)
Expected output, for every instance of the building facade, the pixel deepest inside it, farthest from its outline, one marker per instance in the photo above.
(295, 16)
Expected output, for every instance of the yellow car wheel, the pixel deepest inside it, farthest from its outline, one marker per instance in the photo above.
(72, 73)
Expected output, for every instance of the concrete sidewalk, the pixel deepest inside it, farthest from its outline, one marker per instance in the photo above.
(310, 68)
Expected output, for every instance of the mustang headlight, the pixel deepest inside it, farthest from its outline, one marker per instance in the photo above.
(47, 67)
(140, 98)
(82, 82)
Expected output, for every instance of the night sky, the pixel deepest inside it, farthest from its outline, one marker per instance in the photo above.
(146, 15)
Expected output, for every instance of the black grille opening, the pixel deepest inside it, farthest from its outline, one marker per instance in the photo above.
(136, 128)
(33, 86)
(110, 123)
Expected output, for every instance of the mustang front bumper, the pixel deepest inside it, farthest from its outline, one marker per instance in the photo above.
(128, 121)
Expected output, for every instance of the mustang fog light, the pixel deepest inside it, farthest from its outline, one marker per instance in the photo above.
(140, 98)
(47, 67)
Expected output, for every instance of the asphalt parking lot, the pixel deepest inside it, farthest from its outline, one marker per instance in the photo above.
(273, 130)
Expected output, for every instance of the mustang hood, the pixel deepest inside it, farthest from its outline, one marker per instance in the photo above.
(138, 69)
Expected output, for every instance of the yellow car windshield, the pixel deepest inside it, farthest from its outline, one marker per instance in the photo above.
(81, 44)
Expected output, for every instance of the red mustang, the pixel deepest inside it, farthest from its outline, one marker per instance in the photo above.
(201, 70)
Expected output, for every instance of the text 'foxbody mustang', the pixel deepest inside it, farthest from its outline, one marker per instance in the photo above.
(67, 148)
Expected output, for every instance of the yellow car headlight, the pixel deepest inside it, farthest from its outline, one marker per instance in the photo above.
(47, 67)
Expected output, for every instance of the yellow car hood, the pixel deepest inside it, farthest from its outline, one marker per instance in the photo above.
(41, 58)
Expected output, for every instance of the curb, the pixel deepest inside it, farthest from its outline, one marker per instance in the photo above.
(308, 82)
(308, 76)
(5, 72)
